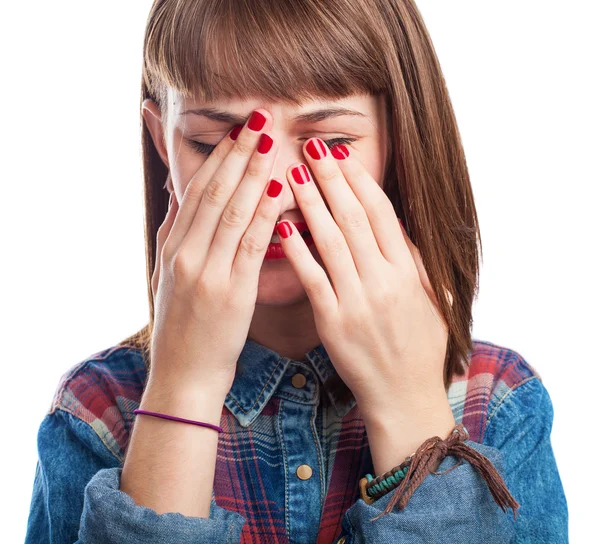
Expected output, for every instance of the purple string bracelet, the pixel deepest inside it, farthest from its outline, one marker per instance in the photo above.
(182, 420)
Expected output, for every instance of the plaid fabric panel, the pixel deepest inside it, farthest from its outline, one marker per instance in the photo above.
(104, 390)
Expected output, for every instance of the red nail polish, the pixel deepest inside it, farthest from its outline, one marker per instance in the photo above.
(316, 148)
(284, 230)
(340, 152)
(274, 188)
(257, 121)
(264, 143)
(235, 131)
(300, 174)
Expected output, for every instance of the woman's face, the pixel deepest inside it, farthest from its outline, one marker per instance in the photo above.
(174, 137)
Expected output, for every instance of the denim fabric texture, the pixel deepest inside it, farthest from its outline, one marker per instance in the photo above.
(274, 422)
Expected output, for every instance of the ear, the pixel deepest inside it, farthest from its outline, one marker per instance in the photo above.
(152, 117)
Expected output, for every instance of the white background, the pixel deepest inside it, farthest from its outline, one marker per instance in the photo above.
(523, 79)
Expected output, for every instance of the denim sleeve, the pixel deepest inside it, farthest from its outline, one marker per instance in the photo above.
(521, 425)
(76, 497)
(456, 505)
(449, 506)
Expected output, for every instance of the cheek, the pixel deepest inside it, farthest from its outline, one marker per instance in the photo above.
(372, 156)
(183, 165)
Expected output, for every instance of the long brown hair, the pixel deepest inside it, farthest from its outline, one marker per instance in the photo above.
(294, 50)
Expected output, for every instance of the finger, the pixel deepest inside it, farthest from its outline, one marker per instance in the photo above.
(161, 237)
(254, 244)
(348, 212)
(312, 276)
(423, 276)
(194, 190)
(219, 190)
(328, 237)
(242, 206)
(378, 207)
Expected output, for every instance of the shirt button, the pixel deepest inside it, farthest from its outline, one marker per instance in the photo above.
(299, 380)
(304, 472)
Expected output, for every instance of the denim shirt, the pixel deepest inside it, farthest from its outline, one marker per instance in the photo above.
(281, 414)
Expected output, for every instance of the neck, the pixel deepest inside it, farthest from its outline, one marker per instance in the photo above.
(289, 330)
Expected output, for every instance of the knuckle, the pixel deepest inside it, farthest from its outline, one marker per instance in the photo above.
(181, 269)
(328, 174)
(251, 245)
(203, 286)
(267, 211)
(254, 170)
(194, 190)
(335, 245)
(242, 148)
(219, 153)
(233, 216)
(354, 219)
(311, 199)
(317, 285)
(215, 193)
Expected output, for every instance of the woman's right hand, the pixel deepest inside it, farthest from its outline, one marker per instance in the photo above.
(210, 250)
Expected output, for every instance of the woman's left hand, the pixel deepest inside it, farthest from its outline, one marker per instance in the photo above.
(374, 308)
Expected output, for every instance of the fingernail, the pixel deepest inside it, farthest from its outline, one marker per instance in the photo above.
(340, 152)
(235, 132)
(274, 188)
(257, 121)
(316, 148)
(284, 230)
(265, 143)
(300, 174)
(170, 200)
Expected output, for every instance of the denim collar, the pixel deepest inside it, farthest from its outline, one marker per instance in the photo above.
(260, 371)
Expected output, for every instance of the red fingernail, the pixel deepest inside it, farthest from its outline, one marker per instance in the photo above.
(284, 230)
(316, 148)
(235, 131)
(274, 188)
(264, 143)
(257, 121)
(340, 152)
(300, 174)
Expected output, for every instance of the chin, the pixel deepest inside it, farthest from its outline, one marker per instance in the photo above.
(278, 285)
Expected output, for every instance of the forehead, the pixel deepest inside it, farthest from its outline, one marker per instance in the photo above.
(365, 105)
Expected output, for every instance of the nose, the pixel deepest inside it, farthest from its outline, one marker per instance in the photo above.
(289, 153)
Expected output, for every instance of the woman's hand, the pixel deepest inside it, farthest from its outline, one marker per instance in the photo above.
(210, 250)
(374, 307)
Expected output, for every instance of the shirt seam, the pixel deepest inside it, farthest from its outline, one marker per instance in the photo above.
(506, 394)
(285, 463)
(320, 460)
(74, 372)
(68, 411)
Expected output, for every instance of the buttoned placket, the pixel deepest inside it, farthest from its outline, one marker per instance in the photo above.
(299, 391)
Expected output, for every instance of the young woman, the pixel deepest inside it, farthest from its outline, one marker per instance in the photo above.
(294, 387)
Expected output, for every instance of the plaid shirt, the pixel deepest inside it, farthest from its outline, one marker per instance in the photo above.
(281, 414)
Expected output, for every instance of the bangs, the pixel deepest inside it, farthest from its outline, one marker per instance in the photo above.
(288, 50)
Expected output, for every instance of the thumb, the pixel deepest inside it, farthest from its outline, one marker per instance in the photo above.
(161, 237)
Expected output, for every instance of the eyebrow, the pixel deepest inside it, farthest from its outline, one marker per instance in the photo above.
(310, 117)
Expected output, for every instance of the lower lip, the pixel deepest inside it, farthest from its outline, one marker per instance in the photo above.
(275, 251)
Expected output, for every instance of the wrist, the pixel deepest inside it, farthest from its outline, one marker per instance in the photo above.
(181, 400)
(398, 433)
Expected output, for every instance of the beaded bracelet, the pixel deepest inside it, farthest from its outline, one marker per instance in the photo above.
(372, 488)
(407, 476)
